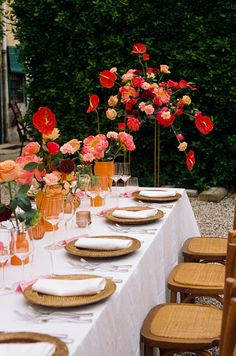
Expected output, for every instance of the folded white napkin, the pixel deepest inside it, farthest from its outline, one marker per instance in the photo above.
(66, 287)
(36, 349)
(157, 193)
(102, 243)
(139, 214)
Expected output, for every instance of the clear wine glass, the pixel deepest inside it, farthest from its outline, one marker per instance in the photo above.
(126, 172)
(23, 247)
(54, 214)
(93, 193)
(6, 250)
(69, 210)
(118, 172)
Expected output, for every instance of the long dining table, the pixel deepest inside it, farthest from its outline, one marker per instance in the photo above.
(114, 328)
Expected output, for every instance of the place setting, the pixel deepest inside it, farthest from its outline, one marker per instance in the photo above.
(133, 215)
(72, 290)
(31, 343)
(157, 195)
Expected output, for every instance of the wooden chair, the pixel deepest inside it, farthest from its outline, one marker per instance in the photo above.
(206, 248)
(187, 327)
(192, 279)
(228, 326)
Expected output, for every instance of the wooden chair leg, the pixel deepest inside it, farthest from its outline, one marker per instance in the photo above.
(148, 350)
(173, 297)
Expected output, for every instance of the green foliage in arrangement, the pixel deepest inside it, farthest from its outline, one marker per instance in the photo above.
(66, 43)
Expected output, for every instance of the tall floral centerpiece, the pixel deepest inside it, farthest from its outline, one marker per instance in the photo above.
(50, 167)
(144, 95)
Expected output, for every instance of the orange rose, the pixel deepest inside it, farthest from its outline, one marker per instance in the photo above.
(8, 171)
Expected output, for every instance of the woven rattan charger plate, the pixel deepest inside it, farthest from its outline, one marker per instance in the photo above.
(28, 337)
(73, 250)
(73, 301)
(138, 196)
(108, 215)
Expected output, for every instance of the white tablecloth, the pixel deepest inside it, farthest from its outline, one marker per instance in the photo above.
(117, 320)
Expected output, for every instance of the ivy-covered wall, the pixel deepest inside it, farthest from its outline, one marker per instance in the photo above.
(66, 43)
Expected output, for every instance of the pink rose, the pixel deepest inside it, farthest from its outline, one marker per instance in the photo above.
(127, 141)
(112, 134)
(51, 179)
(67, 148)
(149, 109)
(31, 149)
(180, 137)
(53, 148)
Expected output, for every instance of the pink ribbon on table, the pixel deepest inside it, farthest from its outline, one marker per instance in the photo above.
(22, 285)
(64, 242)
(129, 193)
(103, 212)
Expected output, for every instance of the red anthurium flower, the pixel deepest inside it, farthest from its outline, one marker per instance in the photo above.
(139, 48)
(190, 160)
(93, 103)
(53, 148)
(183, 84)
(44, 120)
(107, 79)
(203, 123)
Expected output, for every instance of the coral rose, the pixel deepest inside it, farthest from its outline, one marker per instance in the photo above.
(31, 149)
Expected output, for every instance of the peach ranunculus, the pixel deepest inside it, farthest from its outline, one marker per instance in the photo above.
(111, 114)
(75, 144)
(113, 100)
(31, 149)
(112, 134)
(186, 100)
(182, 146)
(8, 171)
(53, 136)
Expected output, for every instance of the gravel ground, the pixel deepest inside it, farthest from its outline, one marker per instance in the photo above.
(214, 219)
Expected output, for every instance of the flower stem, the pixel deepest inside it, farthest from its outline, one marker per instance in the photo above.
(14, 212)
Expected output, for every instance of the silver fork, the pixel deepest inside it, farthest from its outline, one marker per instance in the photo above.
(73, 314)
(94, 268)
(46, 318)
(104, 264)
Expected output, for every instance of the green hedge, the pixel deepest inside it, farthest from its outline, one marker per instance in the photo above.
(66, 43)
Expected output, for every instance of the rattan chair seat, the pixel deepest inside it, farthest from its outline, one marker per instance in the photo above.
(197, 274)
(186, 321)
(206, 245)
